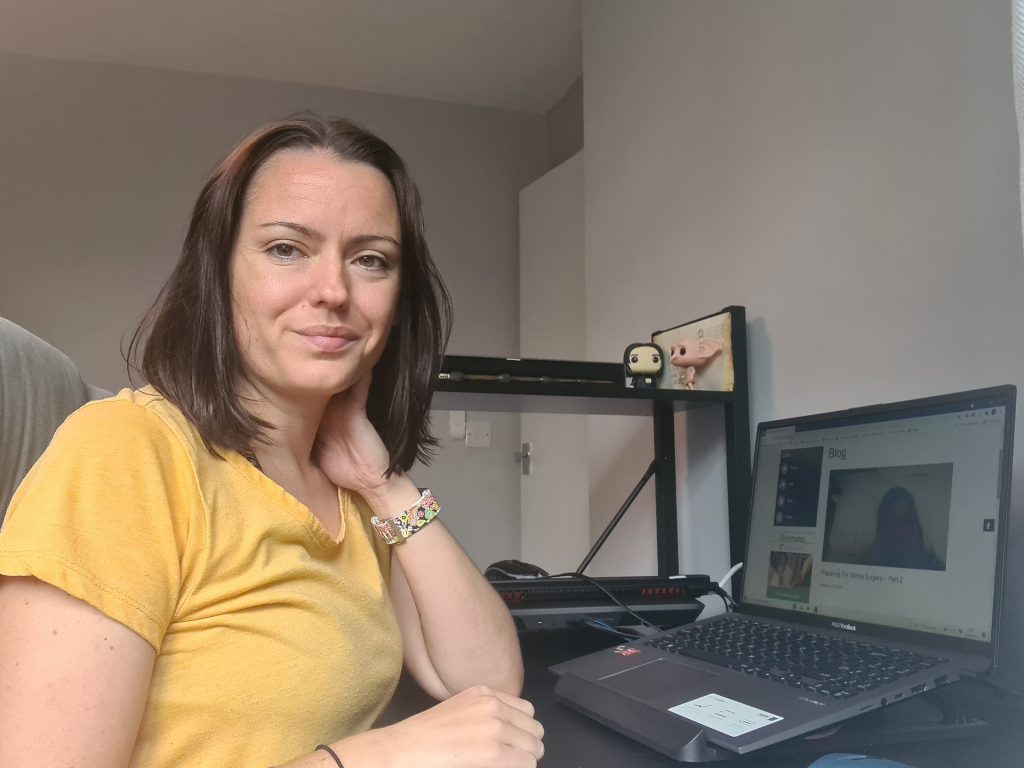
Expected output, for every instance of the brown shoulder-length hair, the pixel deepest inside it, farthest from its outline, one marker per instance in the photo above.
(185, 346)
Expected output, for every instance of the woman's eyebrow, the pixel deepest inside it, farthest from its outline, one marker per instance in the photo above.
(302, 229)
(361, 239)
(315, 234)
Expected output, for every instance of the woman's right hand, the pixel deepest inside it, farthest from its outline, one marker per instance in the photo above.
(477, 728)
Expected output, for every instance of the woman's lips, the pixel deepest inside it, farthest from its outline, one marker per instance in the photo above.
(328, 338)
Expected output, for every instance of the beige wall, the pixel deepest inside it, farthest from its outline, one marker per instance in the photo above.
(846, 170)
(99, 165)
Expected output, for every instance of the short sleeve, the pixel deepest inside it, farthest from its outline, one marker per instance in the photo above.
(105, 515)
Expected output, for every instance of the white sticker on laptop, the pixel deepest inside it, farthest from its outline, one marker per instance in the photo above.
(725, 715)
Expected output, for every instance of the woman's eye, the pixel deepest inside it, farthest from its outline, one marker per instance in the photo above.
(372, 261)
(284, 251)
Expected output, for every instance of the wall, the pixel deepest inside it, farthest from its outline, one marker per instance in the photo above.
(554, 496)
(101, 164)
(845, 170)
(564, 126)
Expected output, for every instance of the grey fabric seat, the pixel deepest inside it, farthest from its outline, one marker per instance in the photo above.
(39, 387)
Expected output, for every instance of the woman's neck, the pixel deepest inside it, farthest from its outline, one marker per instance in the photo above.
(294, 424)
(286, 457)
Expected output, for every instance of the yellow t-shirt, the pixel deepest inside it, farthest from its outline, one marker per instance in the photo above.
(270, 636)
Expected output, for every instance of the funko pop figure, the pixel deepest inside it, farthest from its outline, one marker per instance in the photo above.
(690, 354)
(643, 362)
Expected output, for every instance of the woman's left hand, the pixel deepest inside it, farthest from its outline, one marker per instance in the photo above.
(349, 450)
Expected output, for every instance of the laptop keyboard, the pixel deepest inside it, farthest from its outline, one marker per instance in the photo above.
(826, 665)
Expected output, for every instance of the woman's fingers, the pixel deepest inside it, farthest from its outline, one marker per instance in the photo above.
(512, 720)
(477, 728)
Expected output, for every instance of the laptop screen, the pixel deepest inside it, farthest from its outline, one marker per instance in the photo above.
(884, 517)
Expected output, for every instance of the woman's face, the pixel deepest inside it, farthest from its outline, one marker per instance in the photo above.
(314, 274)
(899, 523)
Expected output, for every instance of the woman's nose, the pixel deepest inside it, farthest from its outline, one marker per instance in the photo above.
(329, 285)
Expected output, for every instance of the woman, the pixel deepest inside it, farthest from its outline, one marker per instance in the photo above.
(193, 574)
(899, 537)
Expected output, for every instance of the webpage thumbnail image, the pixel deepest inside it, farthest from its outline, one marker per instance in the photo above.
(789, 576)
(896, 517)
(796, 503)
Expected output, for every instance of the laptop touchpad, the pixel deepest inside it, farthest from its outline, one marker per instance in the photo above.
(657, 678)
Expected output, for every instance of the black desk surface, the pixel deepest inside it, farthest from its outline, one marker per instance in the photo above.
(962, 725)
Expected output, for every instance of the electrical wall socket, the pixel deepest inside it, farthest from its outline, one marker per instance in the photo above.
(457, 424)
(478, 434)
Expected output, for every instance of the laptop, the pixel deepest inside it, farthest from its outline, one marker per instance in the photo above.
(873, 572)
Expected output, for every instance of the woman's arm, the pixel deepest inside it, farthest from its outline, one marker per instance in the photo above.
(475, 728)
(456, 631)
(73, 682)
(459, 640)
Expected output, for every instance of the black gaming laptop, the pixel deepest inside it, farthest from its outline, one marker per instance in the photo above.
(873, 572)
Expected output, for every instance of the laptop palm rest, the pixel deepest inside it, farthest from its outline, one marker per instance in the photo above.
(657, 729)
(657, 678)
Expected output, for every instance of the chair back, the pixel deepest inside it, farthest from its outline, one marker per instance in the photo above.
(39, 388)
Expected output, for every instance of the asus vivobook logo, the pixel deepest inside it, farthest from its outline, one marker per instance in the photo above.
(844, 625)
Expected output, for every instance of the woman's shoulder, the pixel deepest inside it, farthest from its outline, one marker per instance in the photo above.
(130, 415)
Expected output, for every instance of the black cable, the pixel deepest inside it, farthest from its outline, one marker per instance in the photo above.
(598, 624)
(609, 595)
(730, 604)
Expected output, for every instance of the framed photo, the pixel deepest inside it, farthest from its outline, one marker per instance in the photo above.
(698, 355)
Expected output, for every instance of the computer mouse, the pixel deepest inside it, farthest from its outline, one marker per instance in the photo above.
(513, 569)
(846, 760)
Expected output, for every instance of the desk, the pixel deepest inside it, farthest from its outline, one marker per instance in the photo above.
(575, 741)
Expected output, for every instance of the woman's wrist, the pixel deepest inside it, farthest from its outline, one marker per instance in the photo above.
(395, 495)
(363, 750)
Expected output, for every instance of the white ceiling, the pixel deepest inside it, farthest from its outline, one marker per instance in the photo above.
(511, 54)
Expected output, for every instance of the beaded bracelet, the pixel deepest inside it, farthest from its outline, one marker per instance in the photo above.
(332, 753)
(399, 528)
